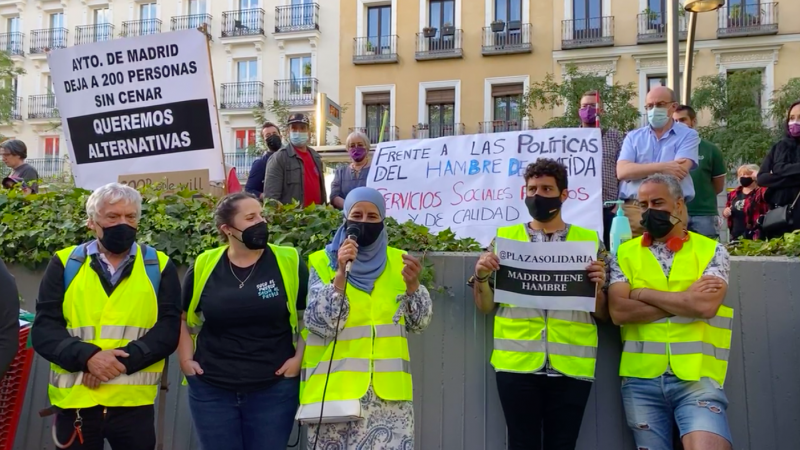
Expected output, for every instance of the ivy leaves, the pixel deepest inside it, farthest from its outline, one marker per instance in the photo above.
(181, 225)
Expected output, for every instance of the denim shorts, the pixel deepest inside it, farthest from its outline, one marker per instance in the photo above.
(652, 406)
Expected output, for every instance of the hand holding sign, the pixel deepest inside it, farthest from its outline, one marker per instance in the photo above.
(411, 270)
(487, 264)
(597, 271)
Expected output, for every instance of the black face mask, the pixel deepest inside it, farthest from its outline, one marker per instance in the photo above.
(658, 223)
(745, 181)
(118, 239)
(543, 209)
(369, 232)
(255, 236)
(274, 143)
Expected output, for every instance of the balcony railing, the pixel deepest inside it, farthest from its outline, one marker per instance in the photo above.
(501, 126)
(514, 38)
(88, 34)
(374, 133)
(47, 39)
(375, 50)
(16, 109)
(752, 19)
(303, 17)
(42, 107)
(244, 95)
(436, 130)
(296, 92)
(443, 44)
(244, 22)
(132, 28)
(12, 43)
(652, 28)
(192, 21)
(583, 33)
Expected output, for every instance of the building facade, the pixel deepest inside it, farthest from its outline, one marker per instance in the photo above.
(443, 67)
(260, 50)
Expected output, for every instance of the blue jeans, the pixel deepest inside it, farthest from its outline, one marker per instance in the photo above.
(705, 225)
(653, 405)
(231, 420)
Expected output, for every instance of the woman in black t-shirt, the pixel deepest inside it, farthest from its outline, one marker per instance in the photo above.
(242, 301)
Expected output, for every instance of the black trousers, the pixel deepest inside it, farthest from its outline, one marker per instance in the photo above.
(608, 217)
(537, 406)
(125, 428)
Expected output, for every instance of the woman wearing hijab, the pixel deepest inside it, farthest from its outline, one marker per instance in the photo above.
(355, 174)
(780, 170)
(241, 303)
(356, 357)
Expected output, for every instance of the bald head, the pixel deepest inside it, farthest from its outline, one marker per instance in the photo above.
(661, 94)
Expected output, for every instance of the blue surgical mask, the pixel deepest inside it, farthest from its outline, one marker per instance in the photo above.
(298, 138)
(657, 117)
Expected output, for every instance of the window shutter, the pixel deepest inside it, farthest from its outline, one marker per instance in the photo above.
(441, 96)
(506, 90)
(377, 98)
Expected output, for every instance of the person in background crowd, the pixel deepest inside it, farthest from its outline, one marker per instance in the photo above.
(555, 376)
(666, 292)
(295, 172)
(258, 171)
(612, 145)
(241, 302)
(780, 170)
(370, 312)
(232, 184)
(354, 174)
(9, 319)
(107, 317)
(662, 146)
(745, 205)
(708, 180)
(14, 153)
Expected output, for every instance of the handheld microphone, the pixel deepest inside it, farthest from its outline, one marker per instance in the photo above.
(352, 232)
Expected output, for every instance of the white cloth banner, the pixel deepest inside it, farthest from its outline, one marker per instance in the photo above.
(474, 184)
(545, 275)
(138, 105)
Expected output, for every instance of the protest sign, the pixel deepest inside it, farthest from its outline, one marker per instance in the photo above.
(474, 184)
(195, 180)
(138, 105)
(545, 275)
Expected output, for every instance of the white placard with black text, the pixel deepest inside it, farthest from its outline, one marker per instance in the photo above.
(545, 275)
(138, 105)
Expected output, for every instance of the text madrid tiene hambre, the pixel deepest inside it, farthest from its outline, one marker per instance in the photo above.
(133, 121)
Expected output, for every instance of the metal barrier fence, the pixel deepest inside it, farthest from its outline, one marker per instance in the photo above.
(456, 405)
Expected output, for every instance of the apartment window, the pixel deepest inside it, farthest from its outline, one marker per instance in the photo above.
(441, 12)
(508, 10)
(248, 4)
(744, 12)
(57, 20)
(12, 25)
(758, 94)
(244, 139)
(197, 7)
(441, 112)
(51, 146)
(376, 104)
(379, 26)
(654, 81)
(48, 85)
(300, 74)
(247, 71)
(587, 17)
(148, 15)
(102, 16)
(303, 12)
(506, 100)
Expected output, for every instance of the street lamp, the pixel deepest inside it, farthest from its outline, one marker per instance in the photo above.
(692, 7)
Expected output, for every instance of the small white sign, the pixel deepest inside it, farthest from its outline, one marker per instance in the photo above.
(138, 105)
(545, 275)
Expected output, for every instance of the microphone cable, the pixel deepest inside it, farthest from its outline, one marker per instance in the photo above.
(352, 234)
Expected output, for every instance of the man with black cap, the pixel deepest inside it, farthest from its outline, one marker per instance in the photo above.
(255, 180)
(295, 172)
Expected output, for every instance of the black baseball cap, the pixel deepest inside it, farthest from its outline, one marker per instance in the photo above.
(297, 118)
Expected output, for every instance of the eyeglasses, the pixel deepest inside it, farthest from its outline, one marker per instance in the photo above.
(650, 106)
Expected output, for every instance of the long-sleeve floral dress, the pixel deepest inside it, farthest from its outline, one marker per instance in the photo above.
(387, 425)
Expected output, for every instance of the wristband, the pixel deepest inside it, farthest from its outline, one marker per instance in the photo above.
(481, 280)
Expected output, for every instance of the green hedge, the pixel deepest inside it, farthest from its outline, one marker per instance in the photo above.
(787, 245)
(33, 228)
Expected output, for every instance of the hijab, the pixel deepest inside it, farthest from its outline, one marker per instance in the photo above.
(371, 259)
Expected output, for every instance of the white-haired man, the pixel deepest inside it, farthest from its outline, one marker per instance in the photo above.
(107, 316)
(666, 291)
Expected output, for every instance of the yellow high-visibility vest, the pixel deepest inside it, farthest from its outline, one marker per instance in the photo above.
(693, 348)
(370, 346)
(525, 338)
(288, 264)
(108, 321)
